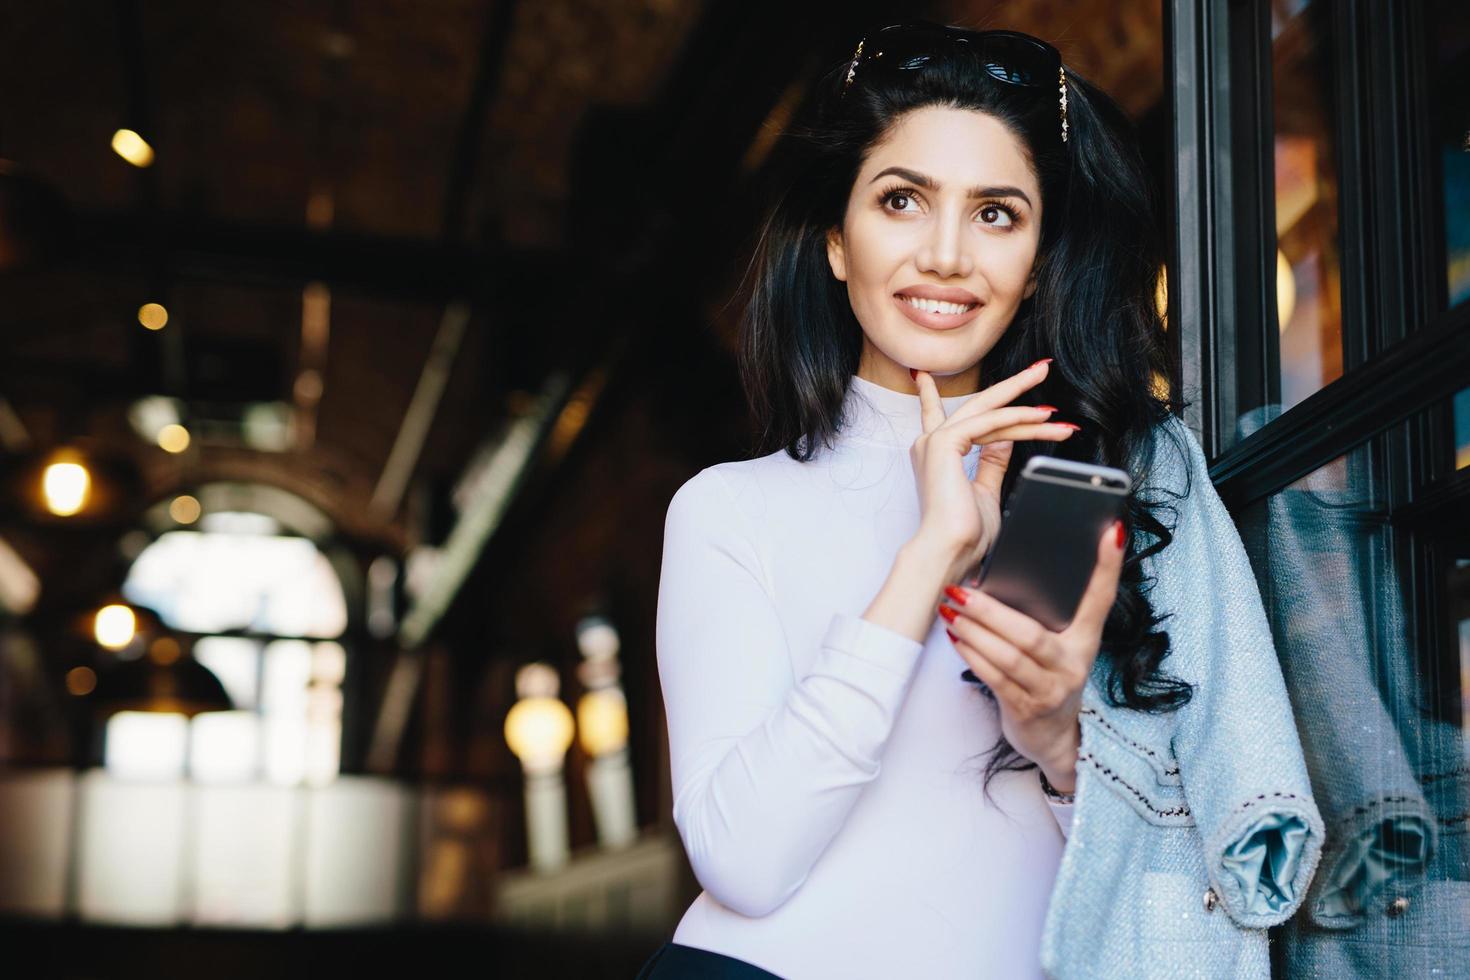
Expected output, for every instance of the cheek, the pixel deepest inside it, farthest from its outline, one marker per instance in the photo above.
(1011, 268)
(873, 254)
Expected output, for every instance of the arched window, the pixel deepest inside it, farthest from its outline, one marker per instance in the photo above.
(269, 609)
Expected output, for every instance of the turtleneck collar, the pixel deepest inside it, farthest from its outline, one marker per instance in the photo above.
(875, 415)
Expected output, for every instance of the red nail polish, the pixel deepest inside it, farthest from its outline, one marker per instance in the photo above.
(1044, 360)
(956, 593)
(1049, 408)
(1071, 425)
(1120, 537)
(951, 635)
(948, 612)
(914, 373)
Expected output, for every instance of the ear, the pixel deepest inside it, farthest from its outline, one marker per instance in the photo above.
(837, 254)
(1031, 281)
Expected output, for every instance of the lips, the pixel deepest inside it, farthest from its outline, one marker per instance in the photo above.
(938, 307)
(949, 294)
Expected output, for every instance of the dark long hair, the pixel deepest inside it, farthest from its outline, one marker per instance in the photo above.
(1094, 311)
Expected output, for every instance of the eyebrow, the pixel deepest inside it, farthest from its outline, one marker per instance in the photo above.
(914, 177)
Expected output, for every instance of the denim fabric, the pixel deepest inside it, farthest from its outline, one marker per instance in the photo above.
(1160, 876)
(1314, 551)
(1380, 831)
(1391, 898)
(1428, 938)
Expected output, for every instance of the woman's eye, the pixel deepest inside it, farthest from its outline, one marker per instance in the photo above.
(991, 214)
(897, 196)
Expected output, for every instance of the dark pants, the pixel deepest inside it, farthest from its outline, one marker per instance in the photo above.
(675, 962)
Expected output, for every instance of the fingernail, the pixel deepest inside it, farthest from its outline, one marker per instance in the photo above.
(1049, 408)
(914, 373)
(1044, 360)
(948, 612)
(956, 593)
(1120, 534)
(1071, 425)
(951, 635)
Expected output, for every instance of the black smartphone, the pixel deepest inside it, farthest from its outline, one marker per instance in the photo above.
(1046, 549)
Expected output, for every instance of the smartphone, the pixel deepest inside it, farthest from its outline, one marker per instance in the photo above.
(1046, 549)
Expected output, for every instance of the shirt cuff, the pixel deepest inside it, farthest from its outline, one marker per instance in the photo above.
(1063, 814)
(1062, 805)
(873, 644)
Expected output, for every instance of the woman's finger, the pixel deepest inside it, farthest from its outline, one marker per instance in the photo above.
(981, 428)
(1028, 674)
(1005, 391)
(931, 409)
(1049, 431)
(1006, 687)
(1019, 630)
(1102, 587)
(995, 457)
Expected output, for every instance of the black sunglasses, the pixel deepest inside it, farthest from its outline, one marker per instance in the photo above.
(1007, 56)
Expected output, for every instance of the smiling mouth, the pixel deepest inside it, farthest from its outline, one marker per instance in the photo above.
(936, 306)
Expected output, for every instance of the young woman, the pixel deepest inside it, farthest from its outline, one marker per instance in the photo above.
(872, 761)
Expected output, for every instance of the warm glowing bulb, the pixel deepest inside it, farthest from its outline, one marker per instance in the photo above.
(1285, 291)
(115, 626)
(65, 486)
(152, 315)
(164, 650)
(132, 148)
(173, 438)
(1161, 295)
(81, 681)
(602, 721)
(539, 731)
(184, 509)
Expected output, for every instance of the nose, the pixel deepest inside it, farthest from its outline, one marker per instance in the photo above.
(945, 250)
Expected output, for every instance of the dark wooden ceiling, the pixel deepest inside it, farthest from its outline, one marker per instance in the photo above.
(405, 152)
(585, 174)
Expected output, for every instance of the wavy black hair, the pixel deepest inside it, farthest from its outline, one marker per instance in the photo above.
(1094, 311)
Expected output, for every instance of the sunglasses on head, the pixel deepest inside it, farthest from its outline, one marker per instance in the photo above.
(1007, 56)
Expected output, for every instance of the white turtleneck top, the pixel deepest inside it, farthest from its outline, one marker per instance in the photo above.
(827, 771)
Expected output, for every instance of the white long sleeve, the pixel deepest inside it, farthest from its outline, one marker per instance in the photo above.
(767, 766)
(827, 771)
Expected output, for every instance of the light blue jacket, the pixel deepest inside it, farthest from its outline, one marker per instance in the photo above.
(1194, 830)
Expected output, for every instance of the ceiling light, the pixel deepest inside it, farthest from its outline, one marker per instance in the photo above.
(173, 438)
(115, 626)
(184, 509)
(66, 486)
(132, 148)
(152, 315)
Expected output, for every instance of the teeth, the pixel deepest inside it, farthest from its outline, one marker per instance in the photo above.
(938, 306)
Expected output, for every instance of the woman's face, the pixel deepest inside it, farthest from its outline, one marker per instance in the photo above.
(937, 246)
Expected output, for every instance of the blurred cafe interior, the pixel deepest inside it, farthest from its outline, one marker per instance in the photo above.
(350, 353)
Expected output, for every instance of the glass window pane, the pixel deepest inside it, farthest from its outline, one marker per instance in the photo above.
(1462, 429)
(236, 662)
(1448, 47)
(1459, 601)
(238, 578)
(1308, 293)
(1385, 753)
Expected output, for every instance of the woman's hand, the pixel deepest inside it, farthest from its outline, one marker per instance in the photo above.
(1038, 675)
(961, 516)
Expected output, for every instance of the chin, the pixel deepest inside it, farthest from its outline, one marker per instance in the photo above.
(941, 366)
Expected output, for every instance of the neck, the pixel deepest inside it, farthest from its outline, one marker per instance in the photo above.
(875, 414)
(888, 373)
